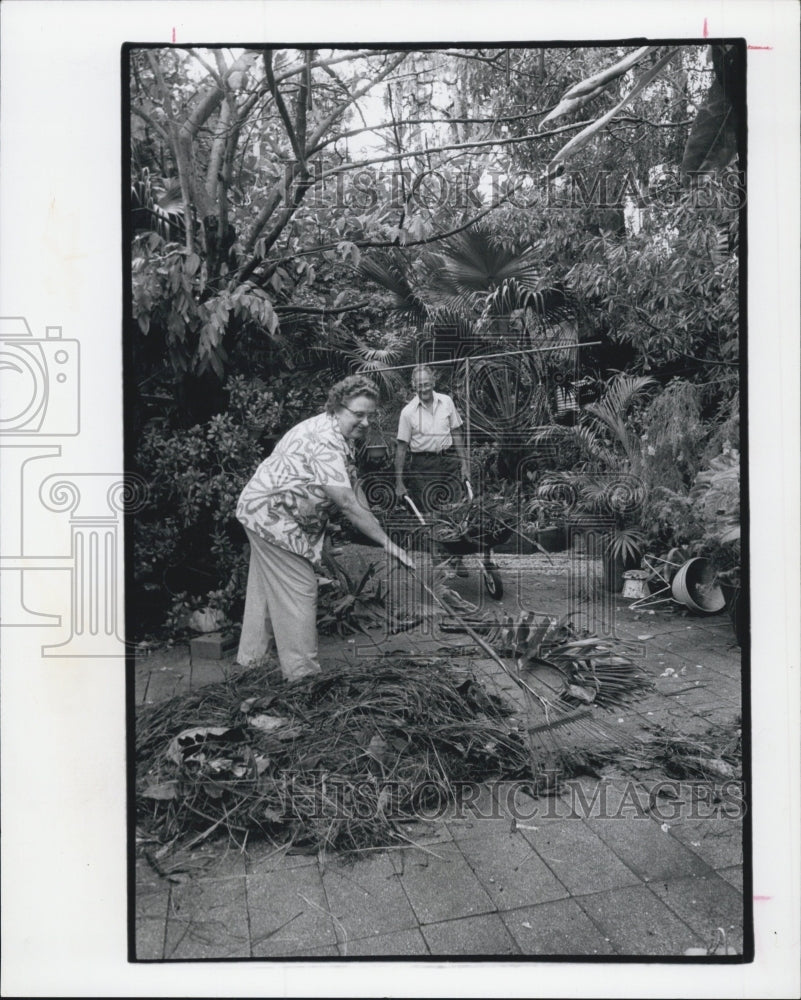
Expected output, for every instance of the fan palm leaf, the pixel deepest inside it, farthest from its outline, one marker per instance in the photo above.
(392, 273)
(472, 261)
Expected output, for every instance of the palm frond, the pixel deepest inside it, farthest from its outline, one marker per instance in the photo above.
(473, 261)
(610, 411)
(392, 273)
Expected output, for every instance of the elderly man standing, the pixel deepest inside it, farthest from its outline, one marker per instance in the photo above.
(429, 429)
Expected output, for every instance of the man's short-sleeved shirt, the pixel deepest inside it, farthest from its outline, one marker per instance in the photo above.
(285, 502)
(425, 429)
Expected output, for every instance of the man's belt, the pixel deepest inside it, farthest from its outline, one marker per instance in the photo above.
(445, 451)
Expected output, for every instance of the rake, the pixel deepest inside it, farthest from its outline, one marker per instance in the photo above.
(562, 735)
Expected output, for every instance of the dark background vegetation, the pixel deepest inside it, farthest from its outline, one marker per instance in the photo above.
(298, 215)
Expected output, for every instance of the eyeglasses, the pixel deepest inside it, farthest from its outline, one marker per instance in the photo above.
(422, 385)
(360, 414)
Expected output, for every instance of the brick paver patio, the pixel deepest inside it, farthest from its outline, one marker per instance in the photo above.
(513, 876)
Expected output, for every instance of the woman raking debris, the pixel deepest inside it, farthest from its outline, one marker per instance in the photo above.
(285, 508)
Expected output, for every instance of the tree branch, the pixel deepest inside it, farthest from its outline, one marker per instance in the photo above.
(459, 146)
(298, 169)
(151, 121)
(321, 312)
(707, 361)
(338, 112)
(181, 159)
(267, 58)
(384, 244)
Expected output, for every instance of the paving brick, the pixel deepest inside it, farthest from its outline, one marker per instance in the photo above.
(477, 826)
(689, 725)
(152, 896)
(440, 888)
(482, 935)
(212, 646)
(733, 875)
(160, 673)
(266, 857)
(213, 861)
(207, 918)
(706, 903)
(647, 849)
(427, 832)
(722, 714)
(408, 942)
(164, 682)
(208, 671)
(479, 805)
(328, 951)
(556, 928)
(609, 799)
(366, 898)
(510, 870)
(637, 922)
(719, 842)
(710, 653)
(704, 701)
(578, 857)
(288, 912)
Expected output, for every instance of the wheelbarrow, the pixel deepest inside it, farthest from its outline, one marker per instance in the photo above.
(476, 539)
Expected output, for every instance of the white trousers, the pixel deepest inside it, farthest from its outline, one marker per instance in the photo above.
(280, 603)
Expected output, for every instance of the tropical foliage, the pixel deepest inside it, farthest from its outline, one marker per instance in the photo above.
(299, 214)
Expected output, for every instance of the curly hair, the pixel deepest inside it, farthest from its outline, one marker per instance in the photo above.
(348, 388)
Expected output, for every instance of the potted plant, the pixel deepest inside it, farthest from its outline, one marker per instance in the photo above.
(623, 550)
(611, 506)
(605, 493)
(546, 517)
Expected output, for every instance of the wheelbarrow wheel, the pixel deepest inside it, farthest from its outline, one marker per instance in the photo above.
(493, 583)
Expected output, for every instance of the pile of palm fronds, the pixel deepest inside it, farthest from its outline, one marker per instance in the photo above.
(337, 761)
(350, 604)
(573, 668)
(714, 756)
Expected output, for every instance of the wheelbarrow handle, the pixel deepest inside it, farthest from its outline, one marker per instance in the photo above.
(469, 489)
(414, 509)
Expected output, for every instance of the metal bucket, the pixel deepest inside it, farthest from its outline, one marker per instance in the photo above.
(694, 586)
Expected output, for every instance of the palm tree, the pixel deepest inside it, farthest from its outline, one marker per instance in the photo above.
(609, 483)
(486, 291)
(480, 273)
(393, 272)
(602, 434)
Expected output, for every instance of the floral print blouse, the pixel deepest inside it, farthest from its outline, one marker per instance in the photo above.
(284, 503)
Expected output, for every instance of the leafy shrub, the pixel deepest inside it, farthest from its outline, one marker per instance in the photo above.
(188, 545)
(705, 519)
(672, 519)
(717, 493)
(673, 436)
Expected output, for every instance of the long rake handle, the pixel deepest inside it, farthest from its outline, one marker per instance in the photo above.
(476, 637)
(414, 509)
